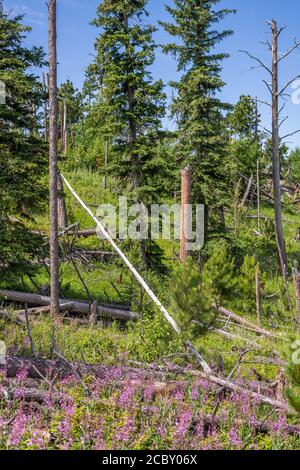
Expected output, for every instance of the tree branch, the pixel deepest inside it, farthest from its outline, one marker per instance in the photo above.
(257, 60)
(264, 102)
(288, 84)
(295, 46)
(282, 121)
(289, 135)
(268, 85)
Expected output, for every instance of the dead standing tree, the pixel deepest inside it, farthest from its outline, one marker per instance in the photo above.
(53, 169)
(277, 94)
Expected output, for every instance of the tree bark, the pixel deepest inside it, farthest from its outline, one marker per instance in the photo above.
(53, 170)
(276, 153)
(248, 189)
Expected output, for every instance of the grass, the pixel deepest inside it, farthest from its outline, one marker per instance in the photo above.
(150, 339)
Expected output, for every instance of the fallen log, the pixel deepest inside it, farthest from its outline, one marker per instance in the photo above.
(74, 305)
(37, 367)
(18, 319)
(83, 233)
(208, 421)
(243, 321)
(38, 310)
(28, 395)
(230, 336)
(69, 232)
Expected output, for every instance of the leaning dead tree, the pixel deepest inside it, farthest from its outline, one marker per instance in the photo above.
(53, 169)
(277, 94)
(61, 207)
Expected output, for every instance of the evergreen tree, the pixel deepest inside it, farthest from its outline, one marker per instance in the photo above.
(130, 103)
(247, 141)
(293, 165)
(23, 156)
(202, 138)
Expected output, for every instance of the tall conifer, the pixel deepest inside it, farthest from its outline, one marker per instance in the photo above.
(199, 111)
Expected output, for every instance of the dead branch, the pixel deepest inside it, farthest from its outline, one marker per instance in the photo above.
(261, 63)
(63, 370)
(243, 321)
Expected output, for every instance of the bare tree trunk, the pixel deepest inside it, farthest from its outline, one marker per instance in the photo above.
(257, 169)
(54, 267)
(276, 153)
(62, 209)
(186, 189)
(258, 296)
(248, 189)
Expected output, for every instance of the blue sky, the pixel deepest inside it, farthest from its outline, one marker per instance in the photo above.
(76, 39)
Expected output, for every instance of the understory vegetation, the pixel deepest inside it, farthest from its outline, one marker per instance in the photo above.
(138, 384)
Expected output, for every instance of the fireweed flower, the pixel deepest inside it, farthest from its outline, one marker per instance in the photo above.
(22, 375)
(39, 439)
(126, 430)
(127, 396)
(280, 425)
(183, 425)
(178, 395)
(235, 438)
(18, 429)
(148, 392)
(99, 436)
(162, 431)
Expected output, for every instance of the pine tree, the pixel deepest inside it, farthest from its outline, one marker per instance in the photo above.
(23, 155)
(130, 103)
(202, 138)
(246, 138)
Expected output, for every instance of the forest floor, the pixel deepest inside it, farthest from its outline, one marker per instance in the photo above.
(139, 401)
